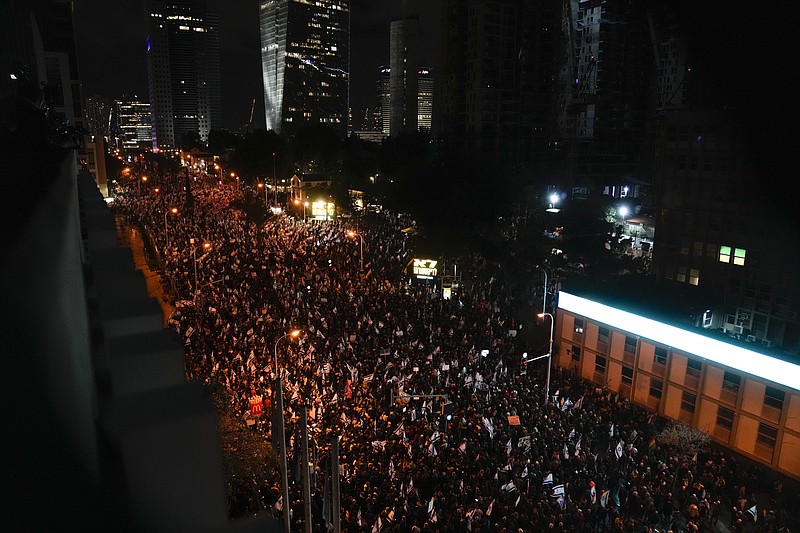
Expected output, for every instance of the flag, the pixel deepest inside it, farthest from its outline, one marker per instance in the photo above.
(548, 480)
(489, 427)
(463, 447)
(611, 431)
(753, 512)
(518, 499)
(358, 517)
(391, 469)
(378, 526)
(489, 509)
(593, 493)
(432, 450)
(578, 445)
(571, 434)
(566, 451)
(634, 434)
(508, 447)
(560, 502)
(400, 431)
(524, 472)
(509, 487)
(604, 498)
(558, 490)
(435, 437)
(578, 404)
(618, 450)
(279, 503)
(430, 506)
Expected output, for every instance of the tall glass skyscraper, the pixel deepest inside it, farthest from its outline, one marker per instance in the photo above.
(183, 70)
(305, 60)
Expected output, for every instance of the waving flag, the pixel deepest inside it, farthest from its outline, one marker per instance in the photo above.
(604, 498)
(618, 450)
(592, 492)
(548, 480)
(558, 490)
(753, 512)
(489, 509)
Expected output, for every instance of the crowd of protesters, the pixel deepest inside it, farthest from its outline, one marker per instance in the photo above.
(502, 459)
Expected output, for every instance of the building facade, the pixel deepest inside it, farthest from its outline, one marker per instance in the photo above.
(425, 99)
(183, 71)
(384, 99)
(743, 399)
(305, 63)
(134, 128)
(498, 77)
(403, 80)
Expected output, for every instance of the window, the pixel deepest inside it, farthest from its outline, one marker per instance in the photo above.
(738, 256)
(602, 335)
(630, 345)
(774, 398)
(724, 418)
(698, 248)
(578, 325)
(627, 375)
(660, 356)
(731, 382)
(688, 401)
(724, 254)
(693, 367)
(576, 353)
(656, 388)
(681, 276)
(767, 436)
(600, 364)
(694, 277)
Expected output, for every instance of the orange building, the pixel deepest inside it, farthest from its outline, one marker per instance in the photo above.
(745, 400)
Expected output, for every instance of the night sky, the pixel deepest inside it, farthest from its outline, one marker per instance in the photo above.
(110, 38)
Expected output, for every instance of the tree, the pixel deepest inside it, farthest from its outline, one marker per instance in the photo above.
(682, 439)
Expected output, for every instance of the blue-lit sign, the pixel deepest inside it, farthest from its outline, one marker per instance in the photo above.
(148, 43)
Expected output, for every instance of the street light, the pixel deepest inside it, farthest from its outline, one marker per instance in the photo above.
(549, 356)
(206, 246)
(174, 211)
(262, 186)
(352, 234)
(305, 204)
(293, 334)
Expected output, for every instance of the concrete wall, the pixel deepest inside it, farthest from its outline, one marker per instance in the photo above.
(105, 432)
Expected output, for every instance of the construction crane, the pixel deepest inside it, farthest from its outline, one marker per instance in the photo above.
(252, 109)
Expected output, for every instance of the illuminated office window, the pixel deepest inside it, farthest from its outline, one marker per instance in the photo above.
(738, 256)
(724, 254)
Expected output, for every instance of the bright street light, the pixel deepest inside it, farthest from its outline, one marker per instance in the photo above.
(623, 211)
(554, 198)
(174, 211)
(293, 334)
(352, 234)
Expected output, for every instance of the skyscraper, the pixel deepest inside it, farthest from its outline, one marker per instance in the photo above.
(425, 98)
(305, 63)
(383, 98)
(183, 71)
(133, 123)
(499, 63)
(98, 114)
(403, 62)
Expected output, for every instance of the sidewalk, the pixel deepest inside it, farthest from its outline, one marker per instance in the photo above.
(131, 237)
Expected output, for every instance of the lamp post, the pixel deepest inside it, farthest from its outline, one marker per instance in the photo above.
(549, 356)
(304, 204)
(263, 186)
(274, 171)
(361, 248)
(174, 211)
(293, 334)
(206, 246)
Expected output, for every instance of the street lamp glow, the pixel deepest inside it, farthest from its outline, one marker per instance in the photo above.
(554, 198)
(623, 211)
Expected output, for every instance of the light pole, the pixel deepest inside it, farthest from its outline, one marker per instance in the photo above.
(549, 356)
(361, 249)
(274, 172)
(293, 334)
(174, 211)
(263, 186)
(544, 298)
(206, 246)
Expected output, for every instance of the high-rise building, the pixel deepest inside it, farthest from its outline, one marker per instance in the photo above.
(607, 86)
(499, 62)
(183, 71)
(383, 98)
(425, 98)
(404, 64)
(98, 114)
(305, 63)
(134, 128)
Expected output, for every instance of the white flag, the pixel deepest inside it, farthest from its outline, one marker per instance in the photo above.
(753, 512)
(558, 490)
(618, 450)
(548, 480)
(604, 498)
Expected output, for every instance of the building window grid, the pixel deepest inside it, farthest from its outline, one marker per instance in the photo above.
(688, 402)
(693, 368)
(600, 364)
(725, 418)
(579, 326)
(767, 436)
(627, 375)
(656, 388)
(576, 353)
(660, 355)
(774, 398)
